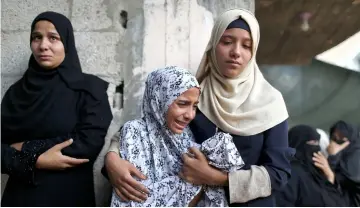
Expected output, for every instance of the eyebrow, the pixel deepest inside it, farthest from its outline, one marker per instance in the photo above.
(51, 33)
(187, 102)
(233, 37)
(247, 39)
(227, 36)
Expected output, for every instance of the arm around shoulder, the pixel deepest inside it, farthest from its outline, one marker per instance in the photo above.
(272, 172)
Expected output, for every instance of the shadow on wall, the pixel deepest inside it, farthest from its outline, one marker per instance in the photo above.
(318, 94)
(135, 89)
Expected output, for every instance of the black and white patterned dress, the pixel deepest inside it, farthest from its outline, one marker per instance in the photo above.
(156, 151)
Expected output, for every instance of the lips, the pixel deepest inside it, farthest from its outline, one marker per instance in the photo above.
(181, 124)
(233, 62)
(44, 57)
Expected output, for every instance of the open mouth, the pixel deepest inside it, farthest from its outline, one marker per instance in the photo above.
(181, 124)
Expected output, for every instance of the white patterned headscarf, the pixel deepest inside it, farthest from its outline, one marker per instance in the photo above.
(150, 145)
(162, 88)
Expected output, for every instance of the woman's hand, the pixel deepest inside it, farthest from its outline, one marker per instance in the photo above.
(335, 148)
(322, 163)
(53, 159)
(196, 170)
(17, 146)
(196, 199)
(121, 174)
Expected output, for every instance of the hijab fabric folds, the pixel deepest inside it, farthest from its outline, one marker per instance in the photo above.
(247, 104)
(47, 107)
(29, 101)
(348, 160)
(331, 195)
(151, 146)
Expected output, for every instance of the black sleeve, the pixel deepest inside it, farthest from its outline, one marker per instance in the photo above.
(20, 164)
(334, 160)
(347, 174)
(289, 195)
(89, 134)
(104, 172)
(275, 155)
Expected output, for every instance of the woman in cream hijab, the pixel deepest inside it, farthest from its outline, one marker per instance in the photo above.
(235, 99)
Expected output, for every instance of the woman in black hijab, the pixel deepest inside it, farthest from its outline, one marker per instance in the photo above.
(344, 158)
(308, 185)
(53, 122)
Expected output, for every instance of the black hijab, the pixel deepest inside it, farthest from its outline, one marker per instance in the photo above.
(298, 136)
(29, 101)
(351, 132)
(349, 161)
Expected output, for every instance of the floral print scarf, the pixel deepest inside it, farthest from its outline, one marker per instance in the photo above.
(150, 145)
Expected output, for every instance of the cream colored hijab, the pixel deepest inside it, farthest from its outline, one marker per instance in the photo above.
(246, 105)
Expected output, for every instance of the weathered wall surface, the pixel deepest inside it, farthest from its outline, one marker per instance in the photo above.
(167, 32)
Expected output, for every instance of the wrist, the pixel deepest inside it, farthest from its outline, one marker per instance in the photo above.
(110, 157)
(332, 153)
(331, 177)
(219, 178)
(38, 163)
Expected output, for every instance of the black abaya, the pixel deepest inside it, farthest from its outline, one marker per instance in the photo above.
(47, 107)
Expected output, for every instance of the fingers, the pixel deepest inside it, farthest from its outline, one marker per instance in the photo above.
(345, 144)
(138, 186)
(319, 165)
(62, 145)
(318, 160)
(74, 161)
(132, 190)
(188, 160)
(131, 197)
(185, 157)
(122, 196)
(69, 162)
(319, 155)
(197, 153)
(185, 178)
(135, 172)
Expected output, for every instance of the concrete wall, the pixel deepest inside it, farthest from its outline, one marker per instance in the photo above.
(167, 32)
(98, 34)
(117, 40)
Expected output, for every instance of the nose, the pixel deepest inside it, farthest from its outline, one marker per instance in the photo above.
(189, 114)
(44, 44)
(235, 51)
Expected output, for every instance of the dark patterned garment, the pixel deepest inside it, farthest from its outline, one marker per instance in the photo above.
(156, 151)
